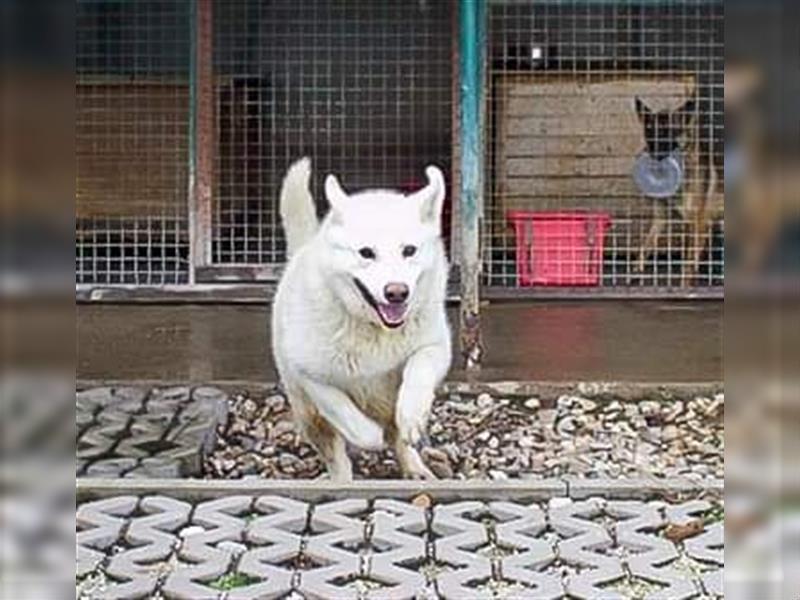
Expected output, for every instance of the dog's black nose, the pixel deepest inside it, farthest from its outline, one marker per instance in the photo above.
(396, 293)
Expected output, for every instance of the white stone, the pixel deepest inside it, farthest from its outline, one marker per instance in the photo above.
(235, 548)
(191, 530)
(533, 403)
(559, 502)
(484, 400)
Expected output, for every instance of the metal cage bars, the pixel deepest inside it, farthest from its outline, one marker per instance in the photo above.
(475, 143)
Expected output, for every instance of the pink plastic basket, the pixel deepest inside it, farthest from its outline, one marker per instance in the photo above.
(559, 248)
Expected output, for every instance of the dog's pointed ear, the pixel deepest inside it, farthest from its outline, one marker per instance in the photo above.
(430, 199)
(641, 108)
(336, 196)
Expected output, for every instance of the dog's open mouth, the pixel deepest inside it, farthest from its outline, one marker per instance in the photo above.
(391, 315)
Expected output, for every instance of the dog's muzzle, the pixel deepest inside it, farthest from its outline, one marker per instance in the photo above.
(392, 314)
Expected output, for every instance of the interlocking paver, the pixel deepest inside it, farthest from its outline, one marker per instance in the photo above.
(267, 547)
(650, 553)
(99, 440)
(157, 467)
(111, 468)
(152, 540)
(277, 538)
(584, 546)
(520, 528)
(169, 424)
(99, 527)
(338, 531)
(398, 537)
(706, 547)
(222, 521)
(461, 534)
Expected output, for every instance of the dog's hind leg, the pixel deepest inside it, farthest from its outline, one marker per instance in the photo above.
(332, 447)
(319, 433)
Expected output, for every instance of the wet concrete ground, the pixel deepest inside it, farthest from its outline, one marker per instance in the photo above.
(642, 341)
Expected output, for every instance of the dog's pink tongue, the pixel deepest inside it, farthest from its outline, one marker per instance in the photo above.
(392, 313)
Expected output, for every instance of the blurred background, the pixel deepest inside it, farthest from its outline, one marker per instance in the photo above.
(50, 208)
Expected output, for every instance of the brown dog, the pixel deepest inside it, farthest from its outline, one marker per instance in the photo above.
(700, 202)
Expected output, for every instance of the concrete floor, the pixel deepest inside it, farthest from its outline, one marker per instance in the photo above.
(642, 341)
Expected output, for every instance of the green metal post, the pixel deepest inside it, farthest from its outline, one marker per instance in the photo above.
(472, 44)
(201, 134)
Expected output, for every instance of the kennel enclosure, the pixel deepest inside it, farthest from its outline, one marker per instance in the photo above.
(189, 112)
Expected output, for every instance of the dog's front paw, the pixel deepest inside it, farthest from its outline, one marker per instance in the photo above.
(370, 436)
(411, 424)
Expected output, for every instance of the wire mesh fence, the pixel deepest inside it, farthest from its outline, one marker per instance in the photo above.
(604, 132)
(132, 110)
(363, 87)
(606, 145)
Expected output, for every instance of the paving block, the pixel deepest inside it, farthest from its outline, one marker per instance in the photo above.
(98, 440)
(337, 533)
(110, 468)
(111, 416)
(713, 583)
(681, 514)
(125, 399)
(582, 547)
(168, 396)
(138, 445)
(709, 548)
(650, 554)
(519, 527)
(149, 468)
(208, 397)
(99, 526)
(277, 536)
(222, 521)
(399, 537)
(328, 550)
(83, 417)
(174, 424)
(151, 540)
(461, 534)
(92, 399)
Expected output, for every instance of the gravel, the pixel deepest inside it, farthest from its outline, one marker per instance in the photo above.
(488, 437)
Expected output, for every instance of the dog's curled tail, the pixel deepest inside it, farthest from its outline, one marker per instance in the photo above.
(297, 209)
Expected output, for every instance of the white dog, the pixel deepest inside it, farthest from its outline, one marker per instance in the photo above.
(360, 334)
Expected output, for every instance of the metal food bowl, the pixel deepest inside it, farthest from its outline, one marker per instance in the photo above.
(658, 178)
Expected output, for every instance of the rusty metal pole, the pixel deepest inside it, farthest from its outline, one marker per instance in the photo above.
(201, 134)
(472, 36)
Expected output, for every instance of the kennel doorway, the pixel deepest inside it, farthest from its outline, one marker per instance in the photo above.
(364, 88)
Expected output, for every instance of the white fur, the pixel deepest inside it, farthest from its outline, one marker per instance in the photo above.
(341, 366)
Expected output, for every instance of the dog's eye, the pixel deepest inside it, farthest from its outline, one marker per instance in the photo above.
(367, 253)
(409, 251)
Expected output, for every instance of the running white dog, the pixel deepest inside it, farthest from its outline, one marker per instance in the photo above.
(360, 334)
